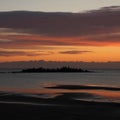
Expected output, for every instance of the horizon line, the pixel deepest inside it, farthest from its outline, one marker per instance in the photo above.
(63, 61)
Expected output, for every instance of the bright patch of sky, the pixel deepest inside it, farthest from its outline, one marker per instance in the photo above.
(55, 5)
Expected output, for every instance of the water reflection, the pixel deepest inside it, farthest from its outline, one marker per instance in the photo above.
(47, 92)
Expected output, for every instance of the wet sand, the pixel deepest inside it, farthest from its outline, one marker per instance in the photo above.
(25, 107)
(72, 112)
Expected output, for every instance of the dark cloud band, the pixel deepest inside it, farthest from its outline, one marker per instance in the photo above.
(99, 26)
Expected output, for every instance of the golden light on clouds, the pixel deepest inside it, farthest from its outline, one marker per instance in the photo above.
(87, 36)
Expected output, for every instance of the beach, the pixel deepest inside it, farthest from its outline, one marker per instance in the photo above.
(60, 60)
(58, 96)
(17, 106)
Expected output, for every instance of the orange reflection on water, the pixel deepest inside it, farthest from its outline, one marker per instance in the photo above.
(55, 92)
(105, 93)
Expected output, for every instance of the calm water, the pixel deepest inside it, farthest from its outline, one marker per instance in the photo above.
(35, 83)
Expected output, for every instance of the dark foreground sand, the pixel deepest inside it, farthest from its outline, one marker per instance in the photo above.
(79, 112)
(21, 107)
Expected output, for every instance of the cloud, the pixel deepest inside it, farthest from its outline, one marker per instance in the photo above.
(4, 40)
(93, 28)
(73, 52)
(108, 9)
(5, 53)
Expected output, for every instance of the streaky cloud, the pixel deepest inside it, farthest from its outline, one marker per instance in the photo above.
(5, 53)
(74, 52)
(92, 28)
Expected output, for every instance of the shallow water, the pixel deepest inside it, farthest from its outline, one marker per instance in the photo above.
(34, 83)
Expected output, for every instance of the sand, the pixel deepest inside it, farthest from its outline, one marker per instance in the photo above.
(21, 107)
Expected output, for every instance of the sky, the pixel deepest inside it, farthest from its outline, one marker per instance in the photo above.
(65, 30)
(56, 5)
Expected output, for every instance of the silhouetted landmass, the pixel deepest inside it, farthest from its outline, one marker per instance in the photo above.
(57, 64)
(63, 69)
(84, 87)
(2, 72)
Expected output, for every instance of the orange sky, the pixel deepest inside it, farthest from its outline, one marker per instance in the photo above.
(52, 53)
(32, 49)
(88, 36)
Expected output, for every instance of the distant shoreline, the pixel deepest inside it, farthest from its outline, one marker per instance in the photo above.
(52, 70)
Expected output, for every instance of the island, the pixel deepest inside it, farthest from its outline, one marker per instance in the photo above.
(62, 69)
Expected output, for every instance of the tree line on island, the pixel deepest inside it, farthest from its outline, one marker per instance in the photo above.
(62, 69)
